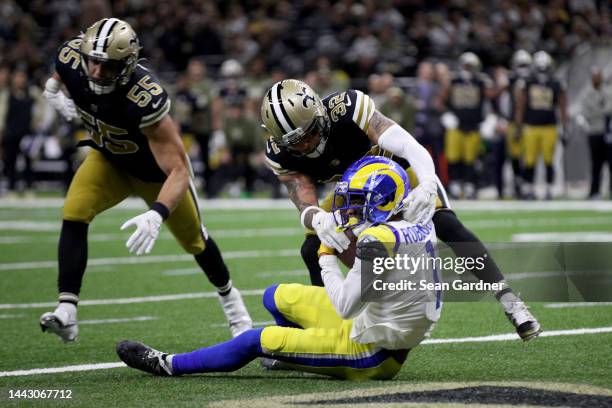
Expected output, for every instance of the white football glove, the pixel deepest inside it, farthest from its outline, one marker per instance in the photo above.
(147, 230)
(325, 226)
(420, 204)
(59, 101)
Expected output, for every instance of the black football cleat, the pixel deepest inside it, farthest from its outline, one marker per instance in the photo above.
(144, 358)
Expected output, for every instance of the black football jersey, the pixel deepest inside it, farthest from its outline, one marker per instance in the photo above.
(542, 94)
(349, 115)
(466, 100)
(115, 120)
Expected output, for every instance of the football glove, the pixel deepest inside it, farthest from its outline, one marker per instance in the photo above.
(325, 226)
(147, 231)
(420, 204)
(59, 101)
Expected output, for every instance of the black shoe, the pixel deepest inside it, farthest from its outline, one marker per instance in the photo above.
(143, 357)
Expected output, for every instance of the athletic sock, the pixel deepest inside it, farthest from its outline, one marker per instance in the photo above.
(211, 262)
(222, 357)
(72, 257)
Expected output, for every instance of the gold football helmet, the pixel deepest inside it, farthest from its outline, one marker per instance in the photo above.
(114, 45)
(291, 111)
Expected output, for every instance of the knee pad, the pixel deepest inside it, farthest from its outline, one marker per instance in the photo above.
(268, 298)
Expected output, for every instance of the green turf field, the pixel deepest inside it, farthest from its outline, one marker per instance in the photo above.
(261, 247)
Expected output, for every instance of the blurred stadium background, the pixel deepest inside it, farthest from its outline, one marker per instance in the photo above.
(218, 58)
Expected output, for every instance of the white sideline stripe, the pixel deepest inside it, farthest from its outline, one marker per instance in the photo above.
(514, 336)
(120, 320)
(498, 337)
(123, 301)
(584, 236)
(576, 304)
(130, 260)
(270, 204)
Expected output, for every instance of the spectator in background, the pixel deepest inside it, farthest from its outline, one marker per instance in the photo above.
(243, 143)
(595, 112)
(193, 103)
(427, 127)
(399, 107)
(18, 120)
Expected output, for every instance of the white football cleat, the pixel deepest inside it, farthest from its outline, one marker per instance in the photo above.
(62, 323)
(527, 326)
(235, 312)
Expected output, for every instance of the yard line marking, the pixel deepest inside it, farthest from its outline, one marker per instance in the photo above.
(65, 369)
(123, 301)
(497, 337)
(583, 236)
(576, 304)
(130, 260)
(120, 320)
(10, 316)
(271, 274)
(182, 272)
(221, 233)
(255, 324)
(514, 336)
(24, 225)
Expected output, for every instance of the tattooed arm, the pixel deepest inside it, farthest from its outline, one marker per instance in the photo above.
(303, 194)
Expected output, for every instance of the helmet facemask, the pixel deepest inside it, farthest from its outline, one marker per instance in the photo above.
(355, 206)
(292, 112)
(112, 46)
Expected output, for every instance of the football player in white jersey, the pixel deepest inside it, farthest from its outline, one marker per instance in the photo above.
(329, 330)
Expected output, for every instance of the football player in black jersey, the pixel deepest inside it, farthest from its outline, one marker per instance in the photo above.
(136, 149)
(541, 95)
(521, 69)
(465, 96)
(314, 140)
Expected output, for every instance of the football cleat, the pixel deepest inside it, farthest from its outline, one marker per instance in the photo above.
(142, 357)
(272, 364)
(236, 313)
(526, 324)
(61, 323)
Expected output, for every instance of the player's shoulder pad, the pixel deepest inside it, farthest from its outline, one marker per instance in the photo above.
(68, 56)
(376, 242)
(274, 159)
(350, 105)
(150, 101)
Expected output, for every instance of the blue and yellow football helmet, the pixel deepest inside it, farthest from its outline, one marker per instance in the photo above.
(371, 190)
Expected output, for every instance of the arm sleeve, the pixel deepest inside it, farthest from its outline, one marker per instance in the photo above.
(344, 293)
(401, 143)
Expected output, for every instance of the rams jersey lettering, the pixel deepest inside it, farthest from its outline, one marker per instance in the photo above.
(466, 99)
(349, 114)
(542, 98)
(115, 120)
